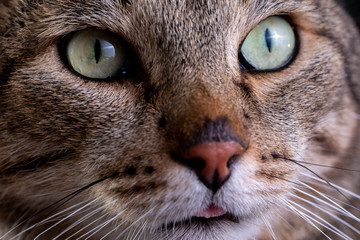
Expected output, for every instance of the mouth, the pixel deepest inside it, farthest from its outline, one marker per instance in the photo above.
(208, 218)
(212, 211)
(214, 214)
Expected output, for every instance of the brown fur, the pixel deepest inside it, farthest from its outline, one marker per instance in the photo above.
(59, 132)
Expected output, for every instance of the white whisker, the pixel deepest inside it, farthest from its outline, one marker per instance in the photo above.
(164, 208)
(95, 230)
(46, 220)
(82, 219)
(118, 224)
(131, 225)
(331, 197)
(305, 217)
(65, 218)
(269, 228)
(338, 187)
(16, 224)
(334, 205)
(114, 229)
(136, 232)
(327, 212)
(101, 226)
(141, 230)
(323, 222)
(86, 226)
(173, 227)
(131, 233)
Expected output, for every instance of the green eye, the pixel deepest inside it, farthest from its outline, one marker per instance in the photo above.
(96, 54)
(270, 45)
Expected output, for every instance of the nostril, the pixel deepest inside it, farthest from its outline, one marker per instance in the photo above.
(196, 163)
(232, 159)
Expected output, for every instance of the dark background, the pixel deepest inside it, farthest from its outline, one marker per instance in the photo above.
(353, 7)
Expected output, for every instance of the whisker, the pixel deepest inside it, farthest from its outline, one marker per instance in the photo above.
(95, 230)
(325, 166)
(340, 208)
(82, 219)
(333, 206)
(164, 208)
(67, 198)
(174, 226)
(269, 228)
(313, 172)
(118, 224)
(333, 198)
(58, 204)
(101, 226)
(86, 226)
(134, 233)
(352, 194)
(327, 212)
(140, 231)
(65, 218)
(17, 223)
(322, 221)
(46, 220)
(305, 217)
(131, 225)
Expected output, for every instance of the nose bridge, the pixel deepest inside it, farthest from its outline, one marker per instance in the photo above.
(203, 110)
(214, 108)
(198, 101)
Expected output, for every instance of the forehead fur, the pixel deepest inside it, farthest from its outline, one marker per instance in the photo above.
(174, 26)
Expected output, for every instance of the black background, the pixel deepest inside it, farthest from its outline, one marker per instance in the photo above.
(353, 7)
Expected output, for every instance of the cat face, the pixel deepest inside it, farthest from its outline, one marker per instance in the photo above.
(116, 115)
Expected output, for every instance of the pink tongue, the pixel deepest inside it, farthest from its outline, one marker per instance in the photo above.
(210, 212)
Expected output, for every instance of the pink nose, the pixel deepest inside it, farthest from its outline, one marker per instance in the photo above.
(214, 157)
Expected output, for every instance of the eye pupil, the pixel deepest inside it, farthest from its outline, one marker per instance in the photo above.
(97, 49)
(268, 39)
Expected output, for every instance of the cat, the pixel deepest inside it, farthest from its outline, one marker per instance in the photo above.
(209, 119)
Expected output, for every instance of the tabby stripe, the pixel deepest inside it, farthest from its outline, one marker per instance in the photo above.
(7, 71)
(35, 163)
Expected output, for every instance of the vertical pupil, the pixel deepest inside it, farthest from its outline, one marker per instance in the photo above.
(268, 39)
(97, 48)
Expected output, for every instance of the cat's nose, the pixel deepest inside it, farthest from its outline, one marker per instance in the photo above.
(211, 161)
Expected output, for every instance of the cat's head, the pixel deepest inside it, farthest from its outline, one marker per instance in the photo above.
(175, 119)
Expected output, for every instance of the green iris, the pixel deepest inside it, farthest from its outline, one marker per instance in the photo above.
(270, 45)
(95, 53)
